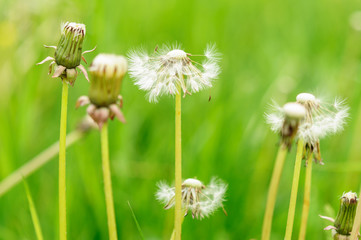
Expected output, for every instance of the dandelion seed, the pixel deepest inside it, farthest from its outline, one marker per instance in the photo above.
(286, 120)
(107, 72)
(201, 200)
(322, 119)
(168, 68)
(68, 53)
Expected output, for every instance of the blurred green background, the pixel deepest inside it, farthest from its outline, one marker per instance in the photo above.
(271, 50)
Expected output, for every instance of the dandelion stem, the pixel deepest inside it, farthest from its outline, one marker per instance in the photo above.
(178, 167)
(172, 237)
(62, 162)
(34, 215)
(108, 184)
(306, 198)
(272, 192)
(37, 162)
(294, 190)
(357, 222)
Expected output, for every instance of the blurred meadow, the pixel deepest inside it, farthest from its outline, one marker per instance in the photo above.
(270, 50)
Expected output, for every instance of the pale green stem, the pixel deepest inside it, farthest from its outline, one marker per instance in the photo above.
(178, 167)
(62, 162)
(306, 198)
(34, 215)
(112, 227)
(172, 237)
(272, 192)
(294, 190)
(37, 162)
(356, 223)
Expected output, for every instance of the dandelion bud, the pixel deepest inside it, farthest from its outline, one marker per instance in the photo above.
(342, 225)
(346, 214)
(69, 50)
(107, 72)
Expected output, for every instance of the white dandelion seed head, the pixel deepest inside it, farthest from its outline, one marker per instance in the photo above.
(305, 97)
(322, 119)
(169, 69)
(201, 200)
(294, 111)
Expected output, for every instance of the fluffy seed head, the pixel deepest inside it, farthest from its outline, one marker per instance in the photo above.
(201, 200)
(170, 69)
(294, 111)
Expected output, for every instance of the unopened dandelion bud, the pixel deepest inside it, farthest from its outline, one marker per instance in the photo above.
(107, 72)
(69, 49)
(346, 214)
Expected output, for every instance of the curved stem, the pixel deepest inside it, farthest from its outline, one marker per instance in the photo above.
(357, 223)
(272, 192)
(37, 162)
(112, 227)
(62, 162)
(178, 167)
(33, 212)
(294, 190)
(306, 198)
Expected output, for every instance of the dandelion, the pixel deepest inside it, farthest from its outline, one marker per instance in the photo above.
(169, 68)
(344, 221)
(322, 119)
(173, 71)
(197, 198)
(66, 59)
(107, 72)
(68, 53)
(285, 121)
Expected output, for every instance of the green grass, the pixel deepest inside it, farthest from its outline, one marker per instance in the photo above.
(271, 49)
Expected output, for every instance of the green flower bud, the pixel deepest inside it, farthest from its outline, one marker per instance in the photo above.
(69, 50)
(107, 72)
(346, 214)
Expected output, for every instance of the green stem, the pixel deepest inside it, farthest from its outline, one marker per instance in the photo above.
(294, 190)
(62, 162)
(34, 215)
(112, 227)
(272, 192)
(37, 162)
(178, 167)
(306, 198)
(357, 222)
(172, 237)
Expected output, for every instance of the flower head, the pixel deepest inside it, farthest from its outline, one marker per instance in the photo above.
(201, 200)
(169, 69)
(286, 121)
(107, 72)
(68, 53)
(342, 225)
(322, 119)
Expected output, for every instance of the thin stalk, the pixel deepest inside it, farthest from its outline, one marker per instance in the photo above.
(172, 237)
(112, 227)
(62, 162)
(37, 162)
(34, 215)
(306, 198)
(294, 190)
(178, 167)
(356, 223)
(272, 192)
